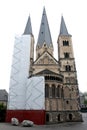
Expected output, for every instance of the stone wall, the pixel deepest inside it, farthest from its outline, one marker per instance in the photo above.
(62, 116)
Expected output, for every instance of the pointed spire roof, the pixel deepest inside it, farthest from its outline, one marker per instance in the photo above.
(63, 28)
(28, 28)
(44, 33)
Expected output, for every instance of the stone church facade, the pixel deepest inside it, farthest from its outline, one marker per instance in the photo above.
(44, 90)
(61, 85)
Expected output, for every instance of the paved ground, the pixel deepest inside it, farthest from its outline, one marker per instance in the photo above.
(65, 126)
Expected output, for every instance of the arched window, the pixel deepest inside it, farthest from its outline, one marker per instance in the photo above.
(68, 68)
(50, 92)
(47, 117)
(67, 102)
(46, 90)
(53, 90)
(58, 117)
(70, 117)
(66, 55)
(62, 93)
(46, 77)
(58, 91)
(51, 78)
(65, 43)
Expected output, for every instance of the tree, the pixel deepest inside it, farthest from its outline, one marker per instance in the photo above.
(2, 107)
(2, 112)
(85, 95)
(85, 101)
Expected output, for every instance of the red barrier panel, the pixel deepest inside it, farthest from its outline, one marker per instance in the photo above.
(37, 116)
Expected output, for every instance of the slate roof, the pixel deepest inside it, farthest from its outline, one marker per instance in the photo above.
(63, 28)
(44, 33)
(3, 95)
(46, 71)
(28, 28)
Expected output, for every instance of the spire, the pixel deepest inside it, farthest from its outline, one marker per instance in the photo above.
(44, 33)
(63, 28)
(28, 28)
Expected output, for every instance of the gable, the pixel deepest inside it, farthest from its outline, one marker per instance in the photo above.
(46, 58)
(46, 71)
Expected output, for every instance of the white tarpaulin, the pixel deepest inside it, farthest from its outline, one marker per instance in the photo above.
(19, 72)
(24, 93)
(35, 96)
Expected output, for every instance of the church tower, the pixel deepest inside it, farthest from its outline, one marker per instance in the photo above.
(44, 42)
(28, 31)
(67, 68)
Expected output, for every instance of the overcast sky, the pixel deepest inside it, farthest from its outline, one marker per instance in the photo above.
(13, 18)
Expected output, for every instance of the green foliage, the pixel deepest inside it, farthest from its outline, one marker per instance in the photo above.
(85, 93)
(85, 102)
(2, 107)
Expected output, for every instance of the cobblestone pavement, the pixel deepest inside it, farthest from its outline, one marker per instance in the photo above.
(64, 126)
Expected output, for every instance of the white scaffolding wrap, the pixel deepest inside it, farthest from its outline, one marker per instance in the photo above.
(24, 93)
(35, 96)
(19, 72)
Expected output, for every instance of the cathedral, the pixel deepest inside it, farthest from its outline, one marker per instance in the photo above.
(61, 92)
